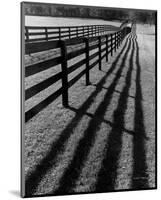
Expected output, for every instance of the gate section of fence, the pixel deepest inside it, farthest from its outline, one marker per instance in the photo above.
(94, 50)
(35, 33)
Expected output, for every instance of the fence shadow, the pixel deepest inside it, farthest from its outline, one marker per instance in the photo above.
(73, 170)
(34, 177)
(108, 172)
(140, 176)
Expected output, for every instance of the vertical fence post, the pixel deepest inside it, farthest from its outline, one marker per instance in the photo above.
(69, 33)
(111, 45)
(117, 35)
(83, 31)
(92, 30)
(64, 74)
(107, 48)
(27, 34)
(99, 46)
(119, 38)
(86, 40)
(46, 33)
(115, 41)
(77, 31)
(59, 33)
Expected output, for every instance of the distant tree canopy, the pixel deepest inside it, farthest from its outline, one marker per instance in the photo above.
(89, 12)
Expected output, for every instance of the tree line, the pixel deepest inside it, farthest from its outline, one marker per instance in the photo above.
(141, 16)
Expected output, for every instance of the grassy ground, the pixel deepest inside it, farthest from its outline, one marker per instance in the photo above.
(65, 21)
(105, 140)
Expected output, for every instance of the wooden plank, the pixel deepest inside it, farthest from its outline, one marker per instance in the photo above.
(94, 64)
(36, 109)
(75, 53)
(75, 79)
(41, 46)
(93, 47)
(36, 33)
(104, 49)
(104, 55)
(36, 40)
(53, 32)
(76, 66)
(41, 66)
(93, 55)
(42, 85)
(73, 41)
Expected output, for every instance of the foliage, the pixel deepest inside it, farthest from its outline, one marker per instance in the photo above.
(141, 16)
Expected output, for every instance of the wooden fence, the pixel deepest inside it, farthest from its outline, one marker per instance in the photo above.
(105, 45)
(35, 33)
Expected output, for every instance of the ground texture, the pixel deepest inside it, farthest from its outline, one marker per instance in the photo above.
(105, 140)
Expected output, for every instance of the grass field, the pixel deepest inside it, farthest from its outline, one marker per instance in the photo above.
(64, 21)
(94, 144)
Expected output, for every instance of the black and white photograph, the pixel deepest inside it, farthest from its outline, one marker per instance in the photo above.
(88, 80)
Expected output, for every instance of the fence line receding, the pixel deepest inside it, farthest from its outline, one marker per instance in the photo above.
(103, 46)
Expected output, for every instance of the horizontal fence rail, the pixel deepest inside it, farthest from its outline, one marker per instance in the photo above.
(102, 47)
(36, 34)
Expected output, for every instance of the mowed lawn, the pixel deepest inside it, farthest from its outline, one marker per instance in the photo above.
(85, 148)
(65, 21)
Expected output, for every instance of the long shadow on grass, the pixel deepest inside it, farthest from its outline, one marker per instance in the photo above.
(140, 176)
(107, 175)
(72, 172)
(34, 177)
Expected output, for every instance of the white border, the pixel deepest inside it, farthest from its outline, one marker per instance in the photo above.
(10, 99)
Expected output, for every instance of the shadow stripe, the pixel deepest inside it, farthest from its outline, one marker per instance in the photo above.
(72, 172)
(108, 172)
(140, 175)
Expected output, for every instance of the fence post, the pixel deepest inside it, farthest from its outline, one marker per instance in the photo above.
(76, 31)
(119, 37)
(86, 40)
(83, 31)
(69, 33)
(92, 30)
(64, 74)
(111, 45)
(107, 48)
(59, 34)
(115, 41)
(46, 33)
(27, 34)
(99, 46)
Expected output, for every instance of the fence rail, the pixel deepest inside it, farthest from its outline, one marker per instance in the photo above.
(36, 34)
(102, 46)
